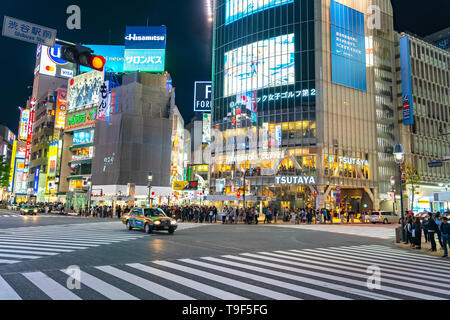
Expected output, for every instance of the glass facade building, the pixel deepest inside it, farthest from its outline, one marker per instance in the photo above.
(296, 100)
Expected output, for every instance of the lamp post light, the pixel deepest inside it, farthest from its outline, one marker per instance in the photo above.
(150, 179)
(399, 156)
(393, 191)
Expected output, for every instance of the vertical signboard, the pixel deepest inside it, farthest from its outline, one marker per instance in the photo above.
(206, 134)
(23, 126)
(29, 132)
(348, 52)
(145, 48)
(405, 65)
(36, 179)
(103, 100)
(60, 118)
(202, 96)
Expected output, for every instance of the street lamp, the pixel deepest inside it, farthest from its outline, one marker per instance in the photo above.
(393, 191)
(399, 156)
(150, 179)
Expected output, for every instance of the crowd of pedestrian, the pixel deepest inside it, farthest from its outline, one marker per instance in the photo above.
(431, 225)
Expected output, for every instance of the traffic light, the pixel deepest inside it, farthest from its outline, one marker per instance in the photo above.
(82, 56)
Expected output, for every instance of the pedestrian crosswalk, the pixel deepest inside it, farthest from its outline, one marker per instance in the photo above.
(334, 273)
(370, 231)
(25, 243)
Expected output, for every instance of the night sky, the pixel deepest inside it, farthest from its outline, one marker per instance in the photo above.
(188, 56)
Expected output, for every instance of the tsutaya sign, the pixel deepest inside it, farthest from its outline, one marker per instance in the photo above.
(295, 180)
(345, 160)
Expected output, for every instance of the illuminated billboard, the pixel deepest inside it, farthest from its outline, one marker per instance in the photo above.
(49, 62)
(262, 64)
(60, 118)
(52, 158)
(348, 52)
(114, 56)
(84, 90)
(83, 136)
(407, 91)
(23, 126)
(145, 49)
(238, 9)
(11, 136)
(202, 96)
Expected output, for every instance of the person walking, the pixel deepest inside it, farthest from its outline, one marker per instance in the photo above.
(119, 212)
(438, 231)
(445, 231)
(409, 228)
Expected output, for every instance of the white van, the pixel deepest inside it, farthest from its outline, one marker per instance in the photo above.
(384, 217)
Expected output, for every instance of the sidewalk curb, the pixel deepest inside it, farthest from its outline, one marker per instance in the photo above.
(437, 253)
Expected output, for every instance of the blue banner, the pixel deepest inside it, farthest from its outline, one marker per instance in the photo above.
(348, 47)
(36, 179)
(405, 65)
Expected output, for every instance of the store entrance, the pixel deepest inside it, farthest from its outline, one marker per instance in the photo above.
(291, 197)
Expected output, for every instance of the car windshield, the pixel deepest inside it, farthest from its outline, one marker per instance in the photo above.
(154, 213)
(375, 213)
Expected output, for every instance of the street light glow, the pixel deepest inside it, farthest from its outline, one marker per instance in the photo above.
(209, 11)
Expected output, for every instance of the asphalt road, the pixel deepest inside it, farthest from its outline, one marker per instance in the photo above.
(204, 261)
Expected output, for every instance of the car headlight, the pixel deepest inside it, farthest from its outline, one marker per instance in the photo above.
(35, 210)
(26, 210)
(173, 222)
(157, 222)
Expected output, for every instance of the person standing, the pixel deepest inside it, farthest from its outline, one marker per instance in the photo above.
(432, 228)
(119, 212)
(445, 231)
(417, 233)
(438, 231)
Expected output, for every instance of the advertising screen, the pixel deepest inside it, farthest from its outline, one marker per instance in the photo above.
(145, 49)
(238, 9)
(52, 158)
(84, 90)
(23, 126)
(49, 62)
(83, 136)
(262, 64)
(348, 53)
(202, 96)
(114, 56)
(60, 118)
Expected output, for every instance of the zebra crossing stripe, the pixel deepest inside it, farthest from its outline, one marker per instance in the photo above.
(384, 287)
(8, 261)
(228, 281)
(51, 244)
(408, 255)
(75, 240)
(28, 251)
(50, 287)
(40, 245)
(6, 292)
(390, 272)
(212, 291)
(20, 256)
(87, 238)
(33, 248)
(101, 286)
(348, 257)
(397, 260)
(282, 284)
(145, 284)
(345, 259)
(299, 278)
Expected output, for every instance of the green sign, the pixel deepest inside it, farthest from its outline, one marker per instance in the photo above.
(82, 117)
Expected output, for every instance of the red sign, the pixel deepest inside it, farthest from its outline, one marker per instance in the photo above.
(238, 194)
(316, 194)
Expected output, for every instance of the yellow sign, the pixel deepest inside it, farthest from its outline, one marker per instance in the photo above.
(180, 185)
